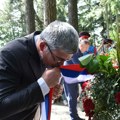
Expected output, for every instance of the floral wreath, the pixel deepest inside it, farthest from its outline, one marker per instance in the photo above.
(101, 96)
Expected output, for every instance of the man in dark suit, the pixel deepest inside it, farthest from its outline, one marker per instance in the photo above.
(29, 67)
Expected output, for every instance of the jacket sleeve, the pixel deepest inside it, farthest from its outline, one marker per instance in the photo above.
(12, 100)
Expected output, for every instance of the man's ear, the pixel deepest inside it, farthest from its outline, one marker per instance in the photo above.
(42, 45)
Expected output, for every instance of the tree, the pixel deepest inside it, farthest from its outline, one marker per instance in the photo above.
(72, 13)
(30, 16)
(12, 22)
(49, 11)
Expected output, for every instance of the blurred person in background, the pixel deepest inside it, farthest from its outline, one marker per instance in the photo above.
(72, 90)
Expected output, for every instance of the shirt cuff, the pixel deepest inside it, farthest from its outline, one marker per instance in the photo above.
(44, 87)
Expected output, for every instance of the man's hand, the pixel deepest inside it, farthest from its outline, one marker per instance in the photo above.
(51, 76)
(57, 91)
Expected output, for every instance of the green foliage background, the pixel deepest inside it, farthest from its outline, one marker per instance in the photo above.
(99, 17)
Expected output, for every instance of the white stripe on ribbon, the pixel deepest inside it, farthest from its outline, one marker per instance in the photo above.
(43, 112)
(80, 78)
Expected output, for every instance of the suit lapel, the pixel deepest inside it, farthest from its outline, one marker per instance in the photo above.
(37, 67)
(35, 62)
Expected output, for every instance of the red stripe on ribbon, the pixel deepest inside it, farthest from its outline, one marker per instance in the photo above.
(50, 103)
(75, 67)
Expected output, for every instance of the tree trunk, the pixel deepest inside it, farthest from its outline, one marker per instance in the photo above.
(72, 13)
(30, 16)
(49, 11)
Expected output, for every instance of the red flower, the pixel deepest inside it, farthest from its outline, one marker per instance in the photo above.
(88, 106)
(86, 85)
(117, 98)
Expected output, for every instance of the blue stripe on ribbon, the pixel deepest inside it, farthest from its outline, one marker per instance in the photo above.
(72, 73)
(47, 105)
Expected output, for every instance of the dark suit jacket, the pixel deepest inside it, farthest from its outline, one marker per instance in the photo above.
(20, 67)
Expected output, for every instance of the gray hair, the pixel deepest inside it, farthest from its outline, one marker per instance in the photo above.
(61, 35)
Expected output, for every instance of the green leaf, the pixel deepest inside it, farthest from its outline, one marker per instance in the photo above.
(84, 60)
(90, 63)
(93, 66)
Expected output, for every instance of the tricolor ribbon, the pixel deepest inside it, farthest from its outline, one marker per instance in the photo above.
(46, 106)
(72, 73)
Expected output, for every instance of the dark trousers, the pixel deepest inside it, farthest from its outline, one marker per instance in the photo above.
(72, 93)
